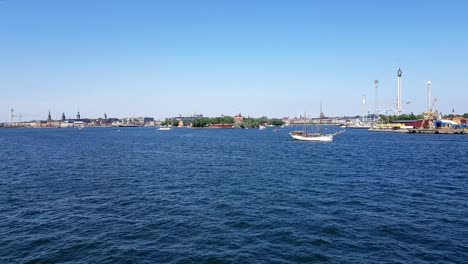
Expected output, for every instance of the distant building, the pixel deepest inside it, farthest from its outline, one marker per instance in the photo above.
(137, 121)
(238, 119)
(79, 123)
(63, 117)
(65, 124)
(187, 120)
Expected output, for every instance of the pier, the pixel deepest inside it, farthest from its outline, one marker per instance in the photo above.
(437, 131)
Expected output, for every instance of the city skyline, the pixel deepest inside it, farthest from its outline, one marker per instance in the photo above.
(278, 59)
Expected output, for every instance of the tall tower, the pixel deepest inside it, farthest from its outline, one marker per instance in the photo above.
(429, 83)
(63, 116)
(105, 116)
(399, 73)
(78, 116)
(49, 117)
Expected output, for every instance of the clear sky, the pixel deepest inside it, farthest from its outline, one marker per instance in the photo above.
(274, 58)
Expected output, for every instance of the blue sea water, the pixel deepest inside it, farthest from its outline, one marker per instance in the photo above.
(138, 195)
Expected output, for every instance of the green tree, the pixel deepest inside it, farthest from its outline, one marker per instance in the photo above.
(223, 120)
(202, 122)
(394, 118)
(166, 122)
(276, 122)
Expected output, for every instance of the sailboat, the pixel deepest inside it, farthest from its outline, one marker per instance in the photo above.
(305, 136)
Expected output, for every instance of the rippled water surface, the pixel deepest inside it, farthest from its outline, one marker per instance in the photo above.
(139, 195)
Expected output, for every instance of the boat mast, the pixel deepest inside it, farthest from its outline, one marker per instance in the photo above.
(320, 118)
(305, 123)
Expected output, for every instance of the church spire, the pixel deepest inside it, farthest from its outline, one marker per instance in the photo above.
(49, 117)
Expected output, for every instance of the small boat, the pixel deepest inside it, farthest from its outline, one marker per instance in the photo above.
(165, 128)
(261, 127)
(305, 136)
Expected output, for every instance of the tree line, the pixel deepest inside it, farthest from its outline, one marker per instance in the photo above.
(248, 122)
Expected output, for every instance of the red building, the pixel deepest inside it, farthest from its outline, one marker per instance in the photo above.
(238, 118)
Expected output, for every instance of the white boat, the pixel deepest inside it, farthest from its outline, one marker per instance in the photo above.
(165, 128)
(305, 136)
(261, 127)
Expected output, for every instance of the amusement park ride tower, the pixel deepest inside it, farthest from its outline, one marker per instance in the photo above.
(398, 110)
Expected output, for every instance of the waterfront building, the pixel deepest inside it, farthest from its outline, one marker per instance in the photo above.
(79, 124)
(186, 119)
(137, 121)
(238, 119)
(66, 124)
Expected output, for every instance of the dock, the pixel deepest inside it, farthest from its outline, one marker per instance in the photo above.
(437, 131)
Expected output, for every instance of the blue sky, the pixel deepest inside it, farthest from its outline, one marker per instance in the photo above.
(274, 58)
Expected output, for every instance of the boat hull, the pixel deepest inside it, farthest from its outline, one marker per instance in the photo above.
(318, 138)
